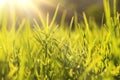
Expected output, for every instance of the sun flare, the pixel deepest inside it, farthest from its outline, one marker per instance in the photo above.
(2, 2)
(20, 3)
(25, 8)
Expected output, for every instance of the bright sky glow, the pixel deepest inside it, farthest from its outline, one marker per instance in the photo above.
(24, 3)
(20, 3)
(24, 7)
(2, 2)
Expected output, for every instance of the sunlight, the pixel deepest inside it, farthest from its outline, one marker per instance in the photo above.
(18, 3)
(23, 3)
(2, 2)
(25, 8)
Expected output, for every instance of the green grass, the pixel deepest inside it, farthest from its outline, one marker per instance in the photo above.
(50, 52)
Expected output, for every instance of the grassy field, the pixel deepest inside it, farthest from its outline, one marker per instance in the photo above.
(53, 52)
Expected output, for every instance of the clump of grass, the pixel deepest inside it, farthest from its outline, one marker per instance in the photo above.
(50, 52)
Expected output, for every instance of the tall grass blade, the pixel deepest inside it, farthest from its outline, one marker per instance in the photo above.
(54, 16)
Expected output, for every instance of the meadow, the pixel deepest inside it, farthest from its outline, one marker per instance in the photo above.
(57, 52)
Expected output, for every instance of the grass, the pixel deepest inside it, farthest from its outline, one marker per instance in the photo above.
(50, 52)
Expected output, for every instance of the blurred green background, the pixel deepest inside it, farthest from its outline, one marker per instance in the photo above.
(93, 9)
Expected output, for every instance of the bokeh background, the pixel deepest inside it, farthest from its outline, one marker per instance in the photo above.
(93, 8)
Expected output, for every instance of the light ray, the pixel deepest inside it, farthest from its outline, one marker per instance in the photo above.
(28, 8)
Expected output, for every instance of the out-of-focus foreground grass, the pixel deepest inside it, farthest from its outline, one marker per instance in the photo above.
(50, 52)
